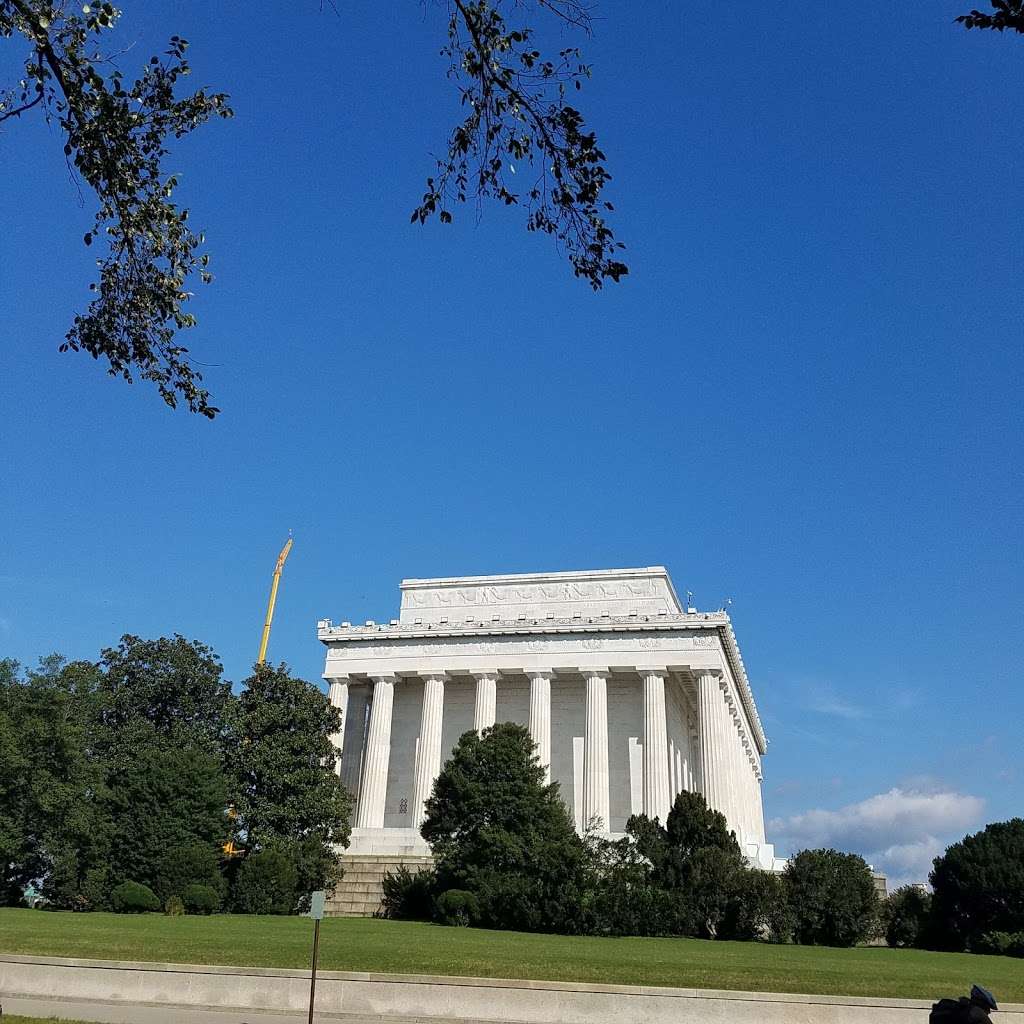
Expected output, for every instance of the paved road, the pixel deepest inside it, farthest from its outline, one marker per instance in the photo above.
(142, 1013)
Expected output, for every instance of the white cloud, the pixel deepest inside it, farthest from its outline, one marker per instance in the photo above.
(900, 832)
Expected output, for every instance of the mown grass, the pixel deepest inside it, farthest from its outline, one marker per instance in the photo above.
(414, 948)
(16, 1019)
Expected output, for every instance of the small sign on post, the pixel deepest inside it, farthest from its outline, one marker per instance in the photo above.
(317, 902)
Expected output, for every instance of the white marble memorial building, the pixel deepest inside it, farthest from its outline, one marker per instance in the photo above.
(630, 697)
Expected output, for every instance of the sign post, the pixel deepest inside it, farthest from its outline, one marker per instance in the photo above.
(316, 911)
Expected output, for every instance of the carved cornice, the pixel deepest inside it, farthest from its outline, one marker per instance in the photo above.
(712, 630)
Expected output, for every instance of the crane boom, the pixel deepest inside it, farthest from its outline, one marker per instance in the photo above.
(265, 639)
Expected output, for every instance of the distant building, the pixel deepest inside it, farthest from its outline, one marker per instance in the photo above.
(630, 697)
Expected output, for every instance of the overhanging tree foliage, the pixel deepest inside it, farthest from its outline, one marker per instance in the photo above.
(1005, 14)
(117, 133)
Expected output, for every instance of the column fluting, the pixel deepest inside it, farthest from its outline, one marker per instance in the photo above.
(709, 703)
(484, 709)
(655, 760)
(595, 752)
(428, 760)
(355, 733)
(540, 717)
(337, 696)
(373, 791)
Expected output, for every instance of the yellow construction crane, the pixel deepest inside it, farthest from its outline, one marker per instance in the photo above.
(265, 639)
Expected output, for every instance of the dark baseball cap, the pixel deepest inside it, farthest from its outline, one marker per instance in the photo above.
(983, 997)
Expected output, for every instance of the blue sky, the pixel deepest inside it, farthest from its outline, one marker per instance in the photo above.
(805, 397)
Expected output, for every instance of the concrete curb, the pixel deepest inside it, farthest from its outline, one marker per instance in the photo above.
(434, 997)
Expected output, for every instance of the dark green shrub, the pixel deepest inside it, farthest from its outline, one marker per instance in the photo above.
(201, 899)
(187, 865)
(620, 896)
(499, 831)
(457, 907)
(174, 906)
(907, 912)
(696, 861)
(832, 897)
(266, 883)
(133, 898)
(978, 886)
(759, 909)
(1000, 944)
(408, 895)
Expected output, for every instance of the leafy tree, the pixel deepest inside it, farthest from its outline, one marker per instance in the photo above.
(499, 832)
(978, 886)
(182, 866)
(907, 912)
(832, 897)
(285, 789)
(117, 135)
(166, 801)
(760, 909)
(16, 852)
(622, 897)
(48, 782)
(267, 882)
(1005, 14)
(169, 691)
(696, 859)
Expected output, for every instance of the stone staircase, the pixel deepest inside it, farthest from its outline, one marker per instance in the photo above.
(361, 889)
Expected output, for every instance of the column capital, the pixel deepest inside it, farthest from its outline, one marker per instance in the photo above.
(595, 673)
(658, 670)
(433, 676)
(331, 680)
(384, 677)
(485, 673)
(539, 673)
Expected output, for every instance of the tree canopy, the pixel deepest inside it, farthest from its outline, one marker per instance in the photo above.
(832, 898)
(978, 886)
(117, 132)
(499, 832)
(129, 770)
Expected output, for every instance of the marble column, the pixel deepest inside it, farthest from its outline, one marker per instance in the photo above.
(595, 751)
(337, 695)
(355, 737)
(428, 760)
(732, 810)
(374, 788)
(655, 772)
(758, 812)
(540, 717)
(486, 700)
(709, 711)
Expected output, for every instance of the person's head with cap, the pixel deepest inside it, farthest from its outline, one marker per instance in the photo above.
(983, 998)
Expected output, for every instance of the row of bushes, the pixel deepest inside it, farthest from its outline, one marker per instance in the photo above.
(507, 855)
(136, 898)
(195, 881)
(798, 906)
(913, 920)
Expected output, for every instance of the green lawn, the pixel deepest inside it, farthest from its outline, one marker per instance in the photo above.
(414, 948)
(15, 1019)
